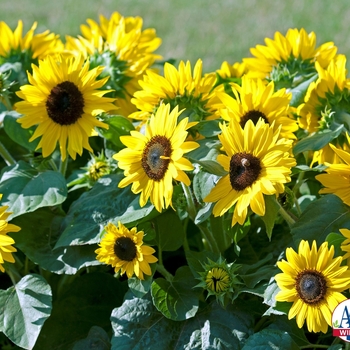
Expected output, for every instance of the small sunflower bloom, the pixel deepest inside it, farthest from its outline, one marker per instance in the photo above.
(124, 250)
(219, 279)
(63, 100)
(254, 100)
(312, 279)
(289, 59)
(151, 161)
(257, 162)
(345, 245)
(337, 177)
(6, 248)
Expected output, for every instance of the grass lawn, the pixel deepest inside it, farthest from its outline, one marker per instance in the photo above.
(212, 30)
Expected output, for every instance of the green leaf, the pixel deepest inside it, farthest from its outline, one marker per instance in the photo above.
(85, 302)
(141, 287)
(208, 128)
(18, 134)
(263, 273)
(299, 92)
(271, 212)
(321, 217)
(39, 233)
(25, 189)
(196, 259)
(203, 183)
(105, 202)
(270, 339)
(317, 141)
(176, 300)
(24, 309)
(97, 339)
(336, 239)
(118, 126)
(138, 325)
(170, 232)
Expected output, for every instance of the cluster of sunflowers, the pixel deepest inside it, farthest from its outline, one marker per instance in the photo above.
(236, 224)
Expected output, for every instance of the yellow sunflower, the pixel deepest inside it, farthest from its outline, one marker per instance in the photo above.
(337, 177)
(254, 100)
(345, 245)
(124, 250)
(63, 100)
(312, 280)
(178, 87)
(151, 161)
(37, 45)
(290, 57)
(123, 47)
(6, 242)
(257, 161)
(227, 70)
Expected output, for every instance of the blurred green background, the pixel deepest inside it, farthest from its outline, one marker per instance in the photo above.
(190, 29)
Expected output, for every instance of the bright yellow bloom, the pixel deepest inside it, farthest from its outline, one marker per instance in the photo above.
(6, 242)
(345, 246)
(179, 87)
(124, 250)
(63, 100)
(337, 177)
(313, 281)
(39, 45)
(236, 70)
(151, 161)
(295, 52)
(253, 100)
(258, 162)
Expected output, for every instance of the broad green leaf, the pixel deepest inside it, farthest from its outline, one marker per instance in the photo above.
(208, 128)
(169, 231)
(83, 302)
(263, 273)
(317, 141)
(206, 147)
(270, 339)
(37, 238)
(105, 202)
(299, 92)
(118, 126)
(25, 189)
(336, 239)
(176, 300)
(18, 134)
(141, 287)
(138, 325)
(196, 260)
(24, 309)
(97, 339)
(203, 183)
(321, 217)
(271, 212)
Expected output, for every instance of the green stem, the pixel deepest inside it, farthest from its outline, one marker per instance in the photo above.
(161, 269)
(191, 208)
(63, 166)
(209, 238)
(6, 155)
(315, 346)
(6, 102)
(297, 206)
(53, 165)
(290, 221)
(298, 183)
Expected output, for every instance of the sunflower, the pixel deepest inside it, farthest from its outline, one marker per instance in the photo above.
(337, 177)
(151, 161)
(257, 161)
(126, 51)
(123, 249)
(289, 59)
(312, 280)
(178, 87)
(6, 242)
(63, 100)
(12, 43)
(254, 100)
(345, 245)
(235, 70)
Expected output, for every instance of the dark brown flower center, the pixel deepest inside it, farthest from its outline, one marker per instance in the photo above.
(311, 286)
(65, 104)
(125, 248)
(244, 170)
(154, 166)
(253, 116)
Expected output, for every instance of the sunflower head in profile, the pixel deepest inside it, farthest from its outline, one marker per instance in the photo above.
(151, 161)
(257, 162)
(337, 177)
(6, 248)
(345, 245)
(124, 250)
(63, 100)
(178, 87)
(253, 99)
(289, 60)
(123, 47)
(313, 281)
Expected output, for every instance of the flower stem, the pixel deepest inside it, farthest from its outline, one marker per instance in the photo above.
(161, 269)
(191, 208)
(6, 155)
(314, 346)
(290, 221)
(63, 166)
